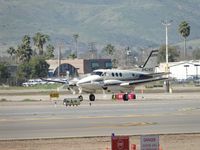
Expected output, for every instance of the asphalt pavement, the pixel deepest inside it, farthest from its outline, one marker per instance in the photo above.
(150, 113)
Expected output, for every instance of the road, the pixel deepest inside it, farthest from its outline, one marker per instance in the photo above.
(150, 114)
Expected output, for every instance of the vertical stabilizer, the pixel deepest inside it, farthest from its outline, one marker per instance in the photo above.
(151, 62)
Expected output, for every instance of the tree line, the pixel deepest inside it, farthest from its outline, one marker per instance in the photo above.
(24, 52)
(31, 53)
(30, 61)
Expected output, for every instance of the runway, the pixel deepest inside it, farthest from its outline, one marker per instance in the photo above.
(166, 114)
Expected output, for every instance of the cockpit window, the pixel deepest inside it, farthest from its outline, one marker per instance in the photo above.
(103, 74)
(97, 73)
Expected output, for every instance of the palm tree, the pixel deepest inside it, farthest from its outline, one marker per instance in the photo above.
(11, 51)
(50, 51)
(72, 56)
(109, 49)
(76, 36)
(26, 40)
(39, 40)
(24, 53)
(184, 30)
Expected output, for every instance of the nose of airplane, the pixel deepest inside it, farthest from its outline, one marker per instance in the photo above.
(89, 79)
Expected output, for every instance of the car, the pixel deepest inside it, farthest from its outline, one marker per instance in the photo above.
(32, 82)
(124, 96)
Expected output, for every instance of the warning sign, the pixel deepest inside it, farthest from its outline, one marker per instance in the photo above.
(149, 142)
(54, 94)
(120, 142)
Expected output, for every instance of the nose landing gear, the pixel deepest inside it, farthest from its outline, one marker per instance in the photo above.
(92, 97)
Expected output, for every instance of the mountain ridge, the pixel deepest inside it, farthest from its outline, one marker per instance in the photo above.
(134, 23)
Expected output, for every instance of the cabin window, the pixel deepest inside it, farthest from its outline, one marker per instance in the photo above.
(113, 74)
(142, 76)
(116, 74)
(120, 74)
(133, 74)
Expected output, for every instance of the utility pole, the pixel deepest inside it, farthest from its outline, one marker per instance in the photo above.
(166, 24)
(76, 36)
(59, 60)
(92, 49)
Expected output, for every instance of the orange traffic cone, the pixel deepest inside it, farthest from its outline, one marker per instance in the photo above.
(160, 148)
(133, 146)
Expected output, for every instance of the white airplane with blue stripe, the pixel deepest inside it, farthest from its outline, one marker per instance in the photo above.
(115, 80)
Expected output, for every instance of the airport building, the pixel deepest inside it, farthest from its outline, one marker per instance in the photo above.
(182, 70)
(76, 67)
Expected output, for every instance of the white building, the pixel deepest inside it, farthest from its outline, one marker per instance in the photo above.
(183, 69)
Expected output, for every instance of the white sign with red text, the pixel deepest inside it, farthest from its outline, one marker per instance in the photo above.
(149, 142)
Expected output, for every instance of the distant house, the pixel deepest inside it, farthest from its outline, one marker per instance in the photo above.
(183, 69)
(76, 67)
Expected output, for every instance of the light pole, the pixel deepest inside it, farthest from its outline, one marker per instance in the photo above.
(166, 24)
(196, 65)
(59, 60)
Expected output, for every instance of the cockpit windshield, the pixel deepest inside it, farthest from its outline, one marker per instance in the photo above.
(97, 73)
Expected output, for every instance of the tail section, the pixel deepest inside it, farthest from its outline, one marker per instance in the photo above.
(151, 62)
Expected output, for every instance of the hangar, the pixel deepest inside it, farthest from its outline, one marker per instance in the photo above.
(76, 67)
(182, 70)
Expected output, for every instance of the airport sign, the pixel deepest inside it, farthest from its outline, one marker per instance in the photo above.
(120, 142)
(149, 142)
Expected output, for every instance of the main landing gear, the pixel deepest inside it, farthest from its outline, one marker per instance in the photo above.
(125, 97)
(80, 97)
(92, 97)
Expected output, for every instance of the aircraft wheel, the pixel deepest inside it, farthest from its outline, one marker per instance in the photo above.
(92, 97)
(113, 96)
(81, 98)
(125, 97)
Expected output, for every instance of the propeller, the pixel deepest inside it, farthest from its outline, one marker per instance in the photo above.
(80, 90)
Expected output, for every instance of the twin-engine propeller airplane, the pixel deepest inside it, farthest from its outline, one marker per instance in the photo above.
(115, 80)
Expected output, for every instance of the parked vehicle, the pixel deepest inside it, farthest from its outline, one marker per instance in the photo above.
(32, 82)
(124, 96)
(72, 101)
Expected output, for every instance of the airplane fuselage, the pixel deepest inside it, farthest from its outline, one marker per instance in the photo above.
(111, 80)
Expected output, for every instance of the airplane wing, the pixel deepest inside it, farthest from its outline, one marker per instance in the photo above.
(56, 81)
(138, 82)
(70, 85)
(159, 74)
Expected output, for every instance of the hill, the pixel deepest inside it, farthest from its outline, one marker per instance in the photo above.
(134, 23)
